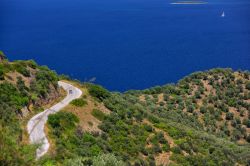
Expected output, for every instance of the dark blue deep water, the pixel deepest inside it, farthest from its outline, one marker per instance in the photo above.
(127, 44)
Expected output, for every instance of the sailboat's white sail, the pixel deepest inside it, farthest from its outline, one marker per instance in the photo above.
(223, 14)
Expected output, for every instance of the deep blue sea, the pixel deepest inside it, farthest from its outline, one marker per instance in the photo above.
(127, 44)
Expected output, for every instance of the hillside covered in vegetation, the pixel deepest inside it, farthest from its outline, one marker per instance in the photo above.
(204, 119)
(24, 88)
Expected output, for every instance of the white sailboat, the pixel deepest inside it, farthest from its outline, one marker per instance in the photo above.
(223, 14)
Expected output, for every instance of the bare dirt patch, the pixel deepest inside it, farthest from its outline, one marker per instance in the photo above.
(163, 159)
(161, 98)
(142, 98)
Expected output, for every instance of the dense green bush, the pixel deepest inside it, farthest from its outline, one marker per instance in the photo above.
(63, 121)
(1, 72)
(98, 91)
(107, 160)
(98, 114)
(248, 85)
(79, 102)
(10, 95)
(2, 55)
(229, 116)
(41, 86)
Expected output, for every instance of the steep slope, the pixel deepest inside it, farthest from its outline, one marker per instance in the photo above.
(24, 88)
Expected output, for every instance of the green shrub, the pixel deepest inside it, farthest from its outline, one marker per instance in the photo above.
(203, 110)
(248, 85)
(79, 102)
(153, 119)
(107, 160)
(98, 114)
(148, 128)
(74, 162)
(248, 138)
(1, 73)
(176, 150)
(229, 116)
(190, 108)
(98, 91)
(2, 56)
(166, 147)
(32, 64)
(63, 120)
(247, 123)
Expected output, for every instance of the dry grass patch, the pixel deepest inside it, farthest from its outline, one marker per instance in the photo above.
(163, 159)
(142, 98)
(12, 78)
(161, 98)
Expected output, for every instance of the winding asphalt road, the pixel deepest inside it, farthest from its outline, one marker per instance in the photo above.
(36, 123)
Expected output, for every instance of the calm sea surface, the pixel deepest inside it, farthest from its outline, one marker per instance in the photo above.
(127, 44)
